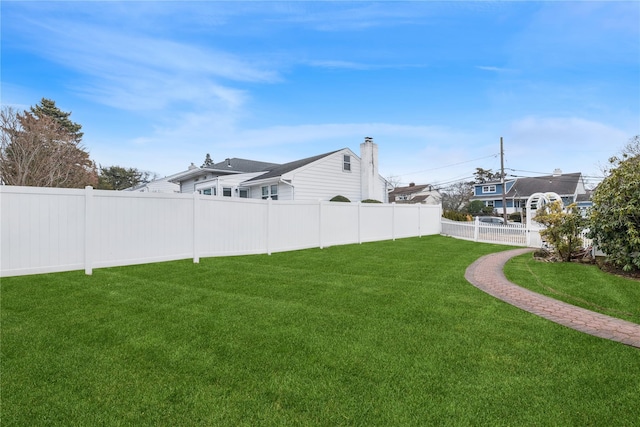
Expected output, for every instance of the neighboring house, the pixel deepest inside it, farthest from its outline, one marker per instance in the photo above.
(162, 185)
(210, 179)
(424, 194)
(570, 187)
(584, 202)
(320, 177)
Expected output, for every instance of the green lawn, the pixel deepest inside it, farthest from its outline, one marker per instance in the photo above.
(379, 334)
(578, 284)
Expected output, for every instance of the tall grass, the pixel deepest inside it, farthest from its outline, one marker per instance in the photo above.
(385, 333)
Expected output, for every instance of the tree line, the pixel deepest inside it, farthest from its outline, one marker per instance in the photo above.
(42, 147)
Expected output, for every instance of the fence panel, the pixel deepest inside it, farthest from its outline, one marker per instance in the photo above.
(406, 221)
(42, 229)
(230, 228)
(339, 223)
(376, 222)
(293, 225)
(430, 216)
(137, 228)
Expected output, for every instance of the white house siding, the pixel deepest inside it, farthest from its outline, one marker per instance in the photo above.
(188, 186)
(324, 179)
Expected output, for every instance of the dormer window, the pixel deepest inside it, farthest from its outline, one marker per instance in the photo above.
(346, 163)
(488, 188)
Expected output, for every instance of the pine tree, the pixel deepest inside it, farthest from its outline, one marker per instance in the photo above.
(207, 161)
(47, 107)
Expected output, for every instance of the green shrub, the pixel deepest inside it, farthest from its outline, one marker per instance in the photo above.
(615, 215)
(456, 216)
(340, 198)
(563, 228)
(371, 201)
(475, 207)
(515, 217)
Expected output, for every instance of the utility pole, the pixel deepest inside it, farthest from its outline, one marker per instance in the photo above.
(504, 192)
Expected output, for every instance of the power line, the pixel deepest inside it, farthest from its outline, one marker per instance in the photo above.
(448, 166)
(546, 174)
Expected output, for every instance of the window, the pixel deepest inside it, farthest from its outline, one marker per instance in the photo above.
(488, 188)
(489, 203)
(346, 163)
(206, 191)
(244, 193)
(226, 191)
(270, 191)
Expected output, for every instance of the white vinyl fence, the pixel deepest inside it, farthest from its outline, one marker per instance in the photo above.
(46, 230)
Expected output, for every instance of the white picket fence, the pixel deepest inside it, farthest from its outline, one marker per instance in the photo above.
(45, 230)
(509, 234)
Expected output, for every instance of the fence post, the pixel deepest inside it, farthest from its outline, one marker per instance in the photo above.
(320, 210)
(268, 223)
(360, 222)
(196, 207)
(476, 229)
(88, 230)
(419, 219)
(393, 221)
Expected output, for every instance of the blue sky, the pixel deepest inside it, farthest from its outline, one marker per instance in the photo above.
(156, 85)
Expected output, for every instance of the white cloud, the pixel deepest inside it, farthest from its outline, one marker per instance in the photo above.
(135, 72)
(573, 132)
(573, 144)
(339, 64)
(494, 69)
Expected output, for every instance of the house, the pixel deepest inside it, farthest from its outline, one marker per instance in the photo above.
(210, 179)
(570, 187)
(319, 177)
(424, 194)
(584, 202)
(161, 185)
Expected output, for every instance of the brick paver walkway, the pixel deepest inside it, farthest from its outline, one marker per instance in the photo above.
(486, 274)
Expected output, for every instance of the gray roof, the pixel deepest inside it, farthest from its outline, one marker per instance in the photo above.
(241, 166)
(408, 190)
(584, 197)
(280, 170)
(565, 184)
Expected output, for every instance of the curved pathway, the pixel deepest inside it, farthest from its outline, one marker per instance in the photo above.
(486, 274)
